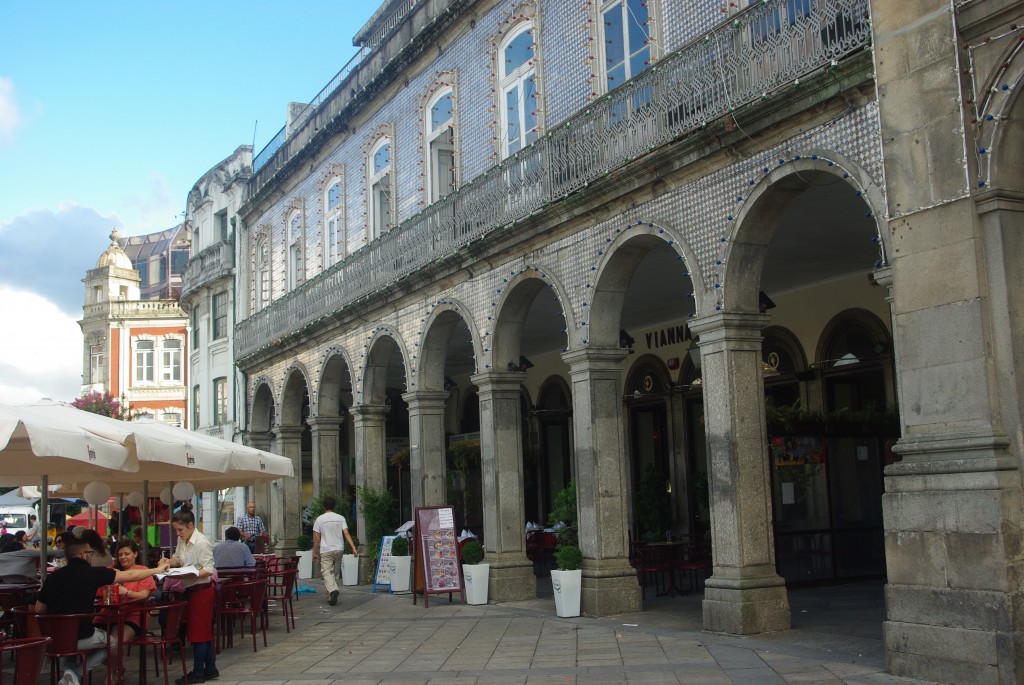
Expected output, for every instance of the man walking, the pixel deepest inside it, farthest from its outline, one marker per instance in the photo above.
(250, 525)
(330, 531)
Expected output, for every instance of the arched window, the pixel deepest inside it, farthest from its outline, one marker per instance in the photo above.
(440, 139)
(294, 249)
(262, 285)
(517, 76)
(334, 222)
(855, 362)
(381, 184)
(626, 40)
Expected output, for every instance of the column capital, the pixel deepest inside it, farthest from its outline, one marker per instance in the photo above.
(289, 432)
(595, 358)
(369, 412)
(258, 439)
(493, 380)
(710, 325)
(325, 423)
(425, 398)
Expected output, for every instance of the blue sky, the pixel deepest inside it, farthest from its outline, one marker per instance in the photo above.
(109, 112)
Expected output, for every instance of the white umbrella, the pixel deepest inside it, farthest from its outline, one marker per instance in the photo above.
(32, 447)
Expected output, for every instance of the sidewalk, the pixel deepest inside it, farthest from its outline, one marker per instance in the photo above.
(381, 638)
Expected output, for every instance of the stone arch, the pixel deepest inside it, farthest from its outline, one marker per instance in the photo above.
(262, 414)
(335, 369)
(438, 326)
(627, 246)
(513, 307)
(382, 348)
(296, 380)
(743, 258)
(851, 317)
(999, 118)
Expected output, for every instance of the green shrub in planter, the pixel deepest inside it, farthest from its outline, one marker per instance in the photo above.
(568, 558)
(472, 553)
(400, 547)
(304, 542)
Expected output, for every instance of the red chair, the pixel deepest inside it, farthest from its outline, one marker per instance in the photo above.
(169, 635)
(241, 600)
(28, 654)
(280, 587)
(654, 566)
(694, 559)
(62, 629)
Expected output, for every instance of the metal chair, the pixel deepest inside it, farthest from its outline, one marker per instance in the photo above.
(241, 600)
(28, 654)
(62, 629)
(280, 587)
(174, 612)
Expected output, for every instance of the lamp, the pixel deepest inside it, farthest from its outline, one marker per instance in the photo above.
(626, 340)
(764, 303)
(694, 353)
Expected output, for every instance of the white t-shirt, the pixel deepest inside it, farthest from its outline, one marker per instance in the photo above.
(332, 527)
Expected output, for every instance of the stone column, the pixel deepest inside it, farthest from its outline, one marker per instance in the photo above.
(371, 467)
(260, 491)
(609, 582)
(289, 440)
(326, 456)
(426, 447)
(501, 463)
(744, 594)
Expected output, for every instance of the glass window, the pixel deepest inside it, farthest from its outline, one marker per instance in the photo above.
(220, 401)
(195, 407)
(518, 81)
(195, 329)
(96, 366)
(382, 214)
(626, 40)
(334, 227)
(262, 286)
(144, 352)
(170, 362)
(221, 220)
(171, 417)
(295, 250)
(441, 146)
(220, 315)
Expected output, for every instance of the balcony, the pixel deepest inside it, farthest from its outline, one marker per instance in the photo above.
(208, 266)
(755, 55)
(134, 309)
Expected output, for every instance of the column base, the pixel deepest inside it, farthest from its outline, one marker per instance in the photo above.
(609, 586)
(511, 577)
(746, 606)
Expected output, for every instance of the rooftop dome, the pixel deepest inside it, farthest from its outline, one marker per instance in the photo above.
(114, 256)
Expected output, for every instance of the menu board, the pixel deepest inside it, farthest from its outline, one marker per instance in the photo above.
(382, 576)
(438, 559)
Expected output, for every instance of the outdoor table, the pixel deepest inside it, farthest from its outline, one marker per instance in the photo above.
(672, 550)
(113, 617)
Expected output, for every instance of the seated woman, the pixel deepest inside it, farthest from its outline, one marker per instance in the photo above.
(127, 553)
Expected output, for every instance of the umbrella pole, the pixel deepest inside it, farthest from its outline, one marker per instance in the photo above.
(145, 521)
(43, 520)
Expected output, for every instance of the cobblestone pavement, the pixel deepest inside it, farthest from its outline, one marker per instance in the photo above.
(378, 638)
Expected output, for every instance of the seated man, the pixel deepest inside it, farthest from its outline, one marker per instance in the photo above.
(72, 590)
(231, 552)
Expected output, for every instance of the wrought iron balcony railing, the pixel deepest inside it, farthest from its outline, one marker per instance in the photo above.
(209, 265)
(754, 53)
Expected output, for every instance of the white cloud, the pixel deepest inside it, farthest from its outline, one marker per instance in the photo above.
(40, 349)
(10, 116)
(48, 252)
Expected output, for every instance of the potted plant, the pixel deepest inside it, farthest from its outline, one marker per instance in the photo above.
(377, 519)
(304, 545)
(401, 564)
(474, 572)
(350, 566)
(567, 579)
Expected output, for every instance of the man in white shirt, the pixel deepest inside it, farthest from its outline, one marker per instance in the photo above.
(330, 531)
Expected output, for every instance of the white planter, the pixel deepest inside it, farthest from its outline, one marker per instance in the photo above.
(476, 576)
(349, 569)
(306, 564)
(400, 567)
(566, 585)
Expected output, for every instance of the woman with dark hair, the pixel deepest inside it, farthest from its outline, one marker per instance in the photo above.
(101, 558)
(126, 555)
